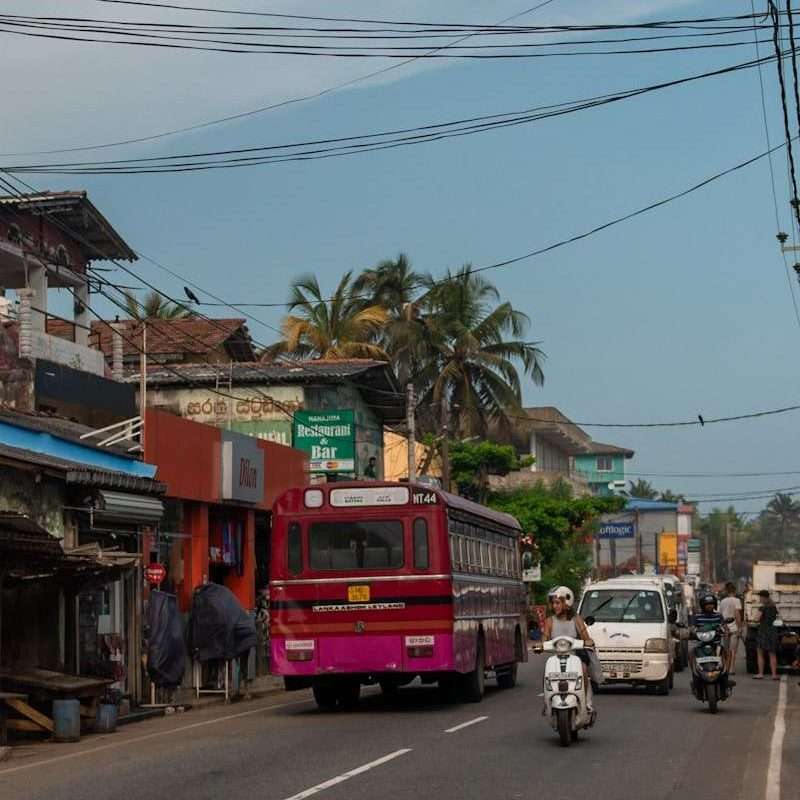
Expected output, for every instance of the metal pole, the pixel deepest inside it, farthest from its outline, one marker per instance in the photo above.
(412, 439)
(639, 564)
(445, 446)
(143, 381)
(729, 548)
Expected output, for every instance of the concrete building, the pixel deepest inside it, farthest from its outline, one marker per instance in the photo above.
(334, 411)
(601, 465)
(48, 241)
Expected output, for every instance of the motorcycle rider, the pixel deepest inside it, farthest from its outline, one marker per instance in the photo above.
(565, 622)
(708, 616)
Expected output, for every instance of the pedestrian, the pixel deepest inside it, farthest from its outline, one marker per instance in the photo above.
(767, 637)
(731, 608)
(371, 470)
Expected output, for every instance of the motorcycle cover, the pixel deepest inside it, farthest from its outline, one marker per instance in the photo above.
(219, 628)
(166, 653)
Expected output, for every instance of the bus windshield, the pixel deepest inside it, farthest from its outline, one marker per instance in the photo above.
(367, 544)
(623, 605)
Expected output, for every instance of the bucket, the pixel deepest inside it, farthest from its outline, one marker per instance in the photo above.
(106, 719)
(66, 720)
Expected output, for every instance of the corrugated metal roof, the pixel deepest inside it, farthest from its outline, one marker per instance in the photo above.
(640, 504)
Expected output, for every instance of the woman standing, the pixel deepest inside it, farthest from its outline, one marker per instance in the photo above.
(767, 637)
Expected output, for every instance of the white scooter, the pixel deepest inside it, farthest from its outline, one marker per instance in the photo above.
(567, 697)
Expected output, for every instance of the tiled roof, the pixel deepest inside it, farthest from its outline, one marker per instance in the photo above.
(191, 336)
(93, 232)
(600, 449)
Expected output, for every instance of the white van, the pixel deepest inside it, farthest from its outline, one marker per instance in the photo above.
(631, 631)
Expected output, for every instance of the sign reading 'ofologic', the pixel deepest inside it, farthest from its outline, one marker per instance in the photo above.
(329, 438)
(615, 530)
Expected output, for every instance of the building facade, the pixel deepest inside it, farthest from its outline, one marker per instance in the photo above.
(602, 467)
(334, 411)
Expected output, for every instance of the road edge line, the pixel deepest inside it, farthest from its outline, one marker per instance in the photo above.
(773, 785)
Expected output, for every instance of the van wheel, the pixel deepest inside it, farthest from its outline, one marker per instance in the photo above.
(474, 682)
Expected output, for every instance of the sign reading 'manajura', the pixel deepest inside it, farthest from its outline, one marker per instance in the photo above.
(329, 438)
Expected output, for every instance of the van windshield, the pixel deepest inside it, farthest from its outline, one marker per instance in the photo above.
(622, 605)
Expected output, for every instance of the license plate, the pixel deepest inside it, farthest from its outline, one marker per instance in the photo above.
(358, 594)
(707, 659)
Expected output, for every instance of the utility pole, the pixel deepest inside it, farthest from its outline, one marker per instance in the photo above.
(729, 548)
(445, 445)
(143, 382)
(639, 560)
(412, 438)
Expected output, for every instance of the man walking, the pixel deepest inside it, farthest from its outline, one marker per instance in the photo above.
(731, 608)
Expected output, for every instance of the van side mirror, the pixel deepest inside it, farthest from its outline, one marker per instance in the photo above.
(672, 616)
(590, 620)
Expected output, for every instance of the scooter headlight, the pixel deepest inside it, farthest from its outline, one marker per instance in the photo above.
(562, 646)
(706, 636)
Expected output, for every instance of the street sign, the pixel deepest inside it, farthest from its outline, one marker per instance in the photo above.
(695, 545)
(532, 574)
(155, 573)
(616, 530)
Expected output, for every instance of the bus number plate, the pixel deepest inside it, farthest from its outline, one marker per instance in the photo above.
(358, 594)
(425, 498)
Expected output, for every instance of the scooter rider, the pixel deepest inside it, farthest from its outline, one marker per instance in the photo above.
(707, 616)
(565, 622)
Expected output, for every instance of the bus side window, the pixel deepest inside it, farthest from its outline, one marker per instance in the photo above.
(295, 548)
(421, 557)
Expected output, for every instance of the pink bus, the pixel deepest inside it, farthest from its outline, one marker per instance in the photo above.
(380, 583)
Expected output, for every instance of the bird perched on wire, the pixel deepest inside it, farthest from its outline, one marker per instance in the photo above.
(191, 295)
(702, 421)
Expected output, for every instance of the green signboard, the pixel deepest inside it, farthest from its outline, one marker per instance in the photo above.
(695, 545)
(329, 438)
(273, 430)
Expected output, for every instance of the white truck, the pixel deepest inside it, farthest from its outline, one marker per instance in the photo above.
(782, 580)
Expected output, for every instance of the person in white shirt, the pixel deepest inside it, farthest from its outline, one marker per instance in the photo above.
(731, 608)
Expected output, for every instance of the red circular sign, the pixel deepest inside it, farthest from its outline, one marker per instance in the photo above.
(155, 573)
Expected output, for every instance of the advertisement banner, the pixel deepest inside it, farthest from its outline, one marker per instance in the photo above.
(615, 530)
(329, 438)
(271, 430)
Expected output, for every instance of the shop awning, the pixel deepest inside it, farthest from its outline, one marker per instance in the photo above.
(125, 507)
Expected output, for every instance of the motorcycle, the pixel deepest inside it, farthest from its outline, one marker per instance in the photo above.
(710, 681)
(566, 695)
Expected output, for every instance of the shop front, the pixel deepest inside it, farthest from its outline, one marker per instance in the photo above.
(220, 486)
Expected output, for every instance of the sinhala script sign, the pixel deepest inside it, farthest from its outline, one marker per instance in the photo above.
(329, 438)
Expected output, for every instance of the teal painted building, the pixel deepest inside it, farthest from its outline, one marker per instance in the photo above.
(601, 465)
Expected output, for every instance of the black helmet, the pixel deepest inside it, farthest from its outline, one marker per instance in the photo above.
(708, 599)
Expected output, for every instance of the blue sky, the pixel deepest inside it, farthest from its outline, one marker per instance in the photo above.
(684, 311)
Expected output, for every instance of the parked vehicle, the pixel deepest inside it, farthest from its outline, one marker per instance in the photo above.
(632, 631)
(676, 600)
(567, 695)
(378, 583)
(782, 580)
(710, 682)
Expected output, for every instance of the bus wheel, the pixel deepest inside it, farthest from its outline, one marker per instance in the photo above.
(389, 688)
(507, 676)
(349, 694)
(325, 696)
(474, 682)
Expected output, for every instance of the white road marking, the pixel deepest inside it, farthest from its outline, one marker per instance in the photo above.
(345, 776)
(466, 724)
(773, 791)
(156, 735)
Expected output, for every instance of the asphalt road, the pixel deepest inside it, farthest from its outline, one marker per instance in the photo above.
(283, 748)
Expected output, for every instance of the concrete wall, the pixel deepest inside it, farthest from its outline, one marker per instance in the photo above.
(16, 376)
(42, 500)
(586, 465)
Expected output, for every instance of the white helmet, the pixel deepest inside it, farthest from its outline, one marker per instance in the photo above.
(562, 593)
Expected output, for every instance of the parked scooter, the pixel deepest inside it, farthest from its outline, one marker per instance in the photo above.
(567, 696)
(710, 681)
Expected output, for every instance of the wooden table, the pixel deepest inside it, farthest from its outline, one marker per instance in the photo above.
(46, 685)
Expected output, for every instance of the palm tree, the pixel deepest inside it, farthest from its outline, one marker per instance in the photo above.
(668, 496)
(464, 357)
(392, 284)
(642, 489)
(784, 512)
(154, 306)
(338, 327)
